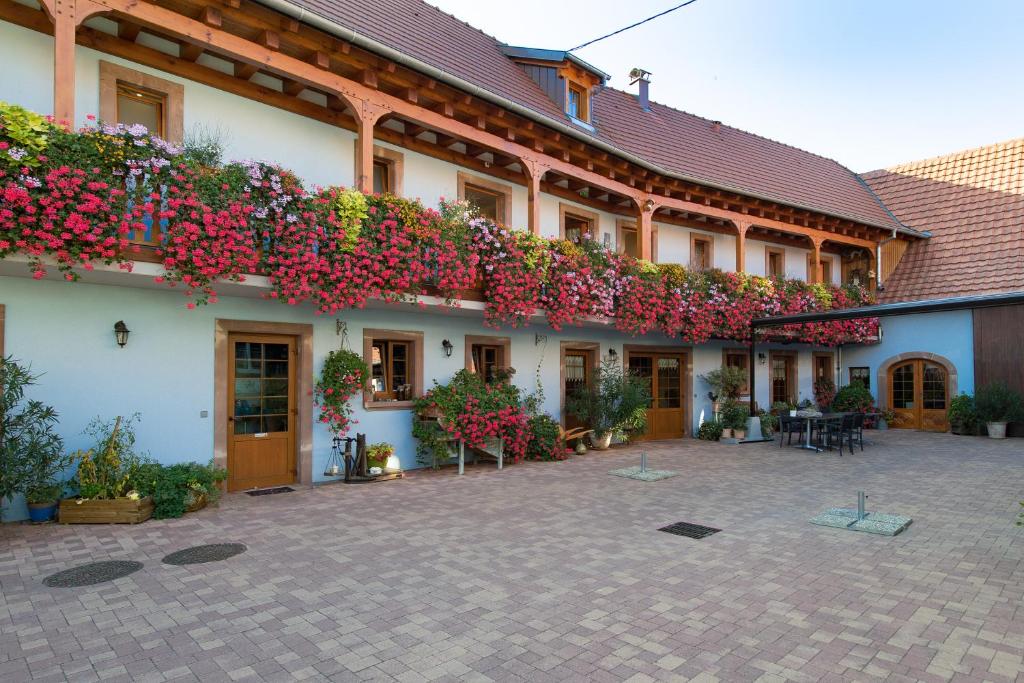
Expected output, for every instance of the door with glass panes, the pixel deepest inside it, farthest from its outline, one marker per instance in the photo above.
(666, 375)
(261, 411)
(919, 395)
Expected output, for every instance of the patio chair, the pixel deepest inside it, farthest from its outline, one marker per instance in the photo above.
(787, 426)
(858, 431)
(838, 430)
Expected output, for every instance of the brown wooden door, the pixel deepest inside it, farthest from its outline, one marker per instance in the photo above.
(919, 395)
(578, 374)
(261, 411)
(666, 374)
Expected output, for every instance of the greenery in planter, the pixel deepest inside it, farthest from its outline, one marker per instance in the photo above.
(30, 448)
(782, 407)
(996, 402)
(43, 493)
(174, 487)
(853, 398)
(769, 423)
(377, 454)
(710, 430)
(616, 404)
(963, 415)
(726, 382)
(111, 468)
(733, 415)
(545, 439)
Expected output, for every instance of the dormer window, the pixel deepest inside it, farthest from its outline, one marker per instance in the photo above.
(577, 102)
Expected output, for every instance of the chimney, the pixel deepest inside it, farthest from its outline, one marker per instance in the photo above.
(644, 79)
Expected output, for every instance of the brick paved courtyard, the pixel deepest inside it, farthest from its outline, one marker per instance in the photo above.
(553, 572)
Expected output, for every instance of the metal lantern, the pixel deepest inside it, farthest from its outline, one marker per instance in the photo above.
(121, 333)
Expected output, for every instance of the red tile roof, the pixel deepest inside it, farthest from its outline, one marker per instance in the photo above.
(674, 141)
(973, 204)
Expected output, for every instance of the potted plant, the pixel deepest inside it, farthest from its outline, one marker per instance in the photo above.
(178, 488)
(616, 406)
(734, 418)
(998, 404)
(112, 480)
(710, 430)
(962, 415)
(42, 501)
(726, 383)
(30, 448)
(824, 393)
(885, 416)
(377, 454)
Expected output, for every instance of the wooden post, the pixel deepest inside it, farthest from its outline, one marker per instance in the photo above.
(815, 270)
(534, 171)
(741, 245)
(367, 115)
(645, 212)
(64, 25)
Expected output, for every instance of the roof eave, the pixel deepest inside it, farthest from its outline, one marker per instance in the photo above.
(315, 20)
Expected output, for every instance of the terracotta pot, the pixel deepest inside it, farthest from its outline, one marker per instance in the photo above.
(726, 433)
(996, 430)
(602, 442)
(740, 433)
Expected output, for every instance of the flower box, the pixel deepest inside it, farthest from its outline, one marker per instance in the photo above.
(115, 511)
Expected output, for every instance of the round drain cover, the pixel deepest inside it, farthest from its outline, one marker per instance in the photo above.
(205, 553)
(91, 574)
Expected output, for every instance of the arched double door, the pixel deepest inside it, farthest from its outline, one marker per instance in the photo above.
(919, 394)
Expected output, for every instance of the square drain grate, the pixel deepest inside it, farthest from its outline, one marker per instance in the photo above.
(689, 530)
(267, 492)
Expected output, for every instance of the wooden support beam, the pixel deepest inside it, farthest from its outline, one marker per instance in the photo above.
(368, 78)
(815, 256)
(366, 119)
(190, 52)
(126, 30)
(270, 40)
(64, 28)
(534, 171)
(293, 88)
(645, 211)
(321, 60)
(335, 103)
(445, 141)
(412, 130)
(474, 150)
(412, 95)
(289, 25)
(233, 4)
(445, 109)
(211, 16)
(741, 245)
(245, 71)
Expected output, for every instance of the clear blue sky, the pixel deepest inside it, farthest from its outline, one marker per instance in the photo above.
(869, 83)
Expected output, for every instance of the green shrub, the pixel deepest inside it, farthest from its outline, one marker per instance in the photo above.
(173, 486)
(710, 430)
(545, 442)
(769, 423)
(31, 451)
(962, 415)
(726, 382)
(996, 402)
(853, 398)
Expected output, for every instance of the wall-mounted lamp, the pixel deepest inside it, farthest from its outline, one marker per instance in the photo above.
(447, 345)
(761, 358)
(613, 353)
(539, 339)
(121, 333)
(649, 205)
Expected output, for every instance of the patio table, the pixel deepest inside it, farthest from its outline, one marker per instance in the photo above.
(811, 419)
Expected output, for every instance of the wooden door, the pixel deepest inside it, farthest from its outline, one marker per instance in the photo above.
(783, 378)
(261, 411)
(666, 375)
(919, 395)
(578, 374)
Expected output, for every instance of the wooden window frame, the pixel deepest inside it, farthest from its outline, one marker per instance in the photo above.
(416, 358)
(622, 227)
(572, 210)
(831, 365)
(504, 343)
(822, 260)
(850, 378)
(745, 390)
(503, 191)
(584, 93)
(707, 239)
(774, 251)
(792, 375)
(395, 161)
(114, 75)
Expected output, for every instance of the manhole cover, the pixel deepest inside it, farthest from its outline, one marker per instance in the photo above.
(267, 492)
(689, 530)
(91, 574)
(199, 554)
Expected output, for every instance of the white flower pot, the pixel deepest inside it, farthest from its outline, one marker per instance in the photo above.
(601, 442)
(996, 430)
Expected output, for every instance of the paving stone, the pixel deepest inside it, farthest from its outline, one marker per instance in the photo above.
(555, 572)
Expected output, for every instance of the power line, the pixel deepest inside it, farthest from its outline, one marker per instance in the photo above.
(626, 28)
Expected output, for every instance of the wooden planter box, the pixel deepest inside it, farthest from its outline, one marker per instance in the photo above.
(116, 511)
